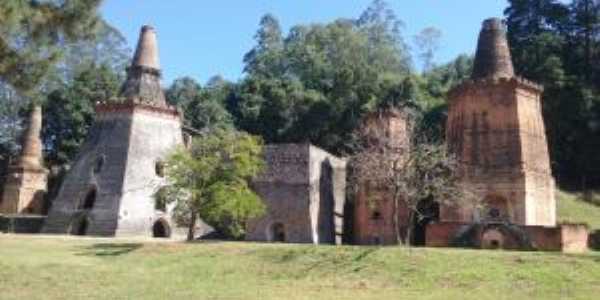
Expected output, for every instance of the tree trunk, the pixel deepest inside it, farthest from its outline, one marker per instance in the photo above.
(192, 226)
(409, 228)
(396, 221)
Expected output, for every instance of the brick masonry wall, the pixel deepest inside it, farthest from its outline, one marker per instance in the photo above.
(495, 127)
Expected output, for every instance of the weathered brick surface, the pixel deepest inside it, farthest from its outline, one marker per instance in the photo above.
(26, 181)
(303, 188)
(373, 206)
(495, 127)
(567, 237)
(118, 160)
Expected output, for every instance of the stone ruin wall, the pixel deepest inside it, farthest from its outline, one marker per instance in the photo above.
(284, 188)
(303, 188)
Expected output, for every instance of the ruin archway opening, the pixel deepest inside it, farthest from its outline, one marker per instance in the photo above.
(81, 228)
(90, 199)
(278, 233)
(161, 229)
(428, 211)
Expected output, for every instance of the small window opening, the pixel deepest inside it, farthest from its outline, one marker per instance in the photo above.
(159, 169)
(494, 213)
(376, 215)
(99, 164)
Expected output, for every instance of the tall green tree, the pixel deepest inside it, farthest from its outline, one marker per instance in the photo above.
(203, 107)
(32, 31)
(315, 84)
(69, 111)
(211, 181)
(556, 44)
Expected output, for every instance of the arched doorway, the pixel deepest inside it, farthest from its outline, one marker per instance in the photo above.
(161, 229)
(80, 228)
(428, 211)
(90, 199)
(277, 233)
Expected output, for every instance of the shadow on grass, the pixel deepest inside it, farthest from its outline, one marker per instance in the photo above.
(109, 249)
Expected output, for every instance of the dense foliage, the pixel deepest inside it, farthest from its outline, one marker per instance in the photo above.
(32, 32)
(558, 45)
(211, 180)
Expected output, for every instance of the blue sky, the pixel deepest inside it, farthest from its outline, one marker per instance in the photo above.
(205, 38)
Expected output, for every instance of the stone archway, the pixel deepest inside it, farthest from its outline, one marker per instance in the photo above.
(277, 233)
(80, 227)
(161, 229)
(90, 199)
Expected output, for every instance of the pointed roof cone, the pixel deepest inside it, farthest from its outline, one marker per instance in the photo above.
(31, 153)
(146, 54)
(143, 76)
(493, 57)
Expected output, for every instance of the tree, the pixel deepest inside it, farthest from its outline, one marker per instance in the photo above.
(555, 43)
(408, 172)
(69, 111)
(428, 42)
(203, 108)
(315, 84)
(211, 181)
(32, 31)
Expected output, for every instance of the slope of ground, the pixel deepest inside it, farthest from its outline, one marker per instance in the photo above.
(572, 209)
(68, 268)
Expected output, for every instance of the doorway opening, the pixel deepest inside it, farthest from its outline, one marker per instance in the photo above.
(90, 200)
(428, 212)
(81, 228)
(161, 229)
(278, 233)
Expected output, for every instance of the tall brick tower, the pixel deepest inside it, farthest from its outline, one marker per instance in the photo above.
(27, 178)
(110, 188)
(495, 127)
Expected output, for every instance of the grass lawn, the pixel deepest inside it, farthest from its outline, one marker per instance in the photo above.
(570, 208)
(69, 268)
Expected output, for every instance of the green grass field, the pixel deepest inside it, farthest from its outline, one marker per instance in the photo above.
(68, 268)
(570, 208)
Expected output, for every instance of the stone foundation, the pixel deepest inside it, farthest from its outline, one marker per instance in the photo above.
(572, 238)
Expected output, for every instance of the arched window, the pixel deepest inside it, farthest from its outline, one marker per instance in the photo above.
(159, 169)
(99, 164)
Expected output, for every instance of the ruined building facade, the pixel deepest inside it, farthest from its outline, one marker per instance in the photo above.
(304, 190)
(374, 207)
(110, 188)
(26, 179)
(495, 128)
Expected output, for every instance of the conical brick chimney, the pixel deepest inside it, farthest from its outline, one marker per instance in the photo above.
(31, 154)
(143, 76)
(493, 58)
(146, 54)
